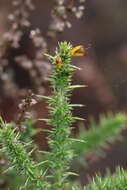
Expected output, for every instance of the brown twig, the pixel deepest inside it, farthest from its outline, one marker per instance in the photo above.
(24, 106)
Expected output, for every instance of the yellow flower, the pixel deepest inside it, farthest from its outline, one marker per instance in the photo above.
(59, 61)
(78, 51)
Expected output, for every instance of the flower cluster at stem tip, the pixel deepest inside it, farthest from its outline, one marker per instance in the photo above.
(73, 51)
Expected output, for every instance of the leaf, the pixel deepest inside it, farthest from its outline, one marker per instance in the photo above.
(77, 86)
(78, 140)
(78, 118)
(41, 163)
(71, 173)
(76, 105)
(44, 97)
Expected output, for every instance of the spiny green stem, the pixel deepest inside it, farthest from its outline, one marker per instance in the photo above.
(60, 111)
(17, 154)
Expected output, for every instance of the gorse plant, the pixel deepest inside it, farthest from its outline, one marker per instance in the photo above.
(58, 159)
(30, 168)
(98, 136)
(117, 181)
(53, 171)
(60, 111)
(17, 154)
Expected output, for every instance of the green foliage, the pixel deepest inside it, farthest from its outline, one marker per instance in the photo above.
(100, 135)
(116, 182)
(29, 131)
(58, 159)
(61, 117)
(18, 156)
(53, 172)
(25, 137)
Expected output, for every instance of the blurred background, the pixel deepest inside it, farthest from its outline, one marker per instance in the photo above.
(103, 28)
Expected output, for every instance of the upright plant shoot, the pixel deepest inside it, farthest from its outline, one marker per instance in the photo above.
(61, 117)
